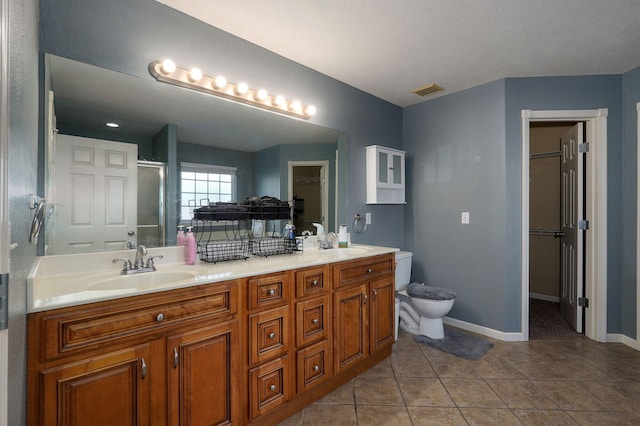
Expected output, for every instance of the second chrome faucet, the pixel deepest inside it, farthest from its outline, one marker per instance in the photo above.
(139, 265)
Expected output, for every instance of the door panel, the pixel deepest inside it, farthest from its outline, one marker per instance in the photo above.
(571, 280)
(96, 189)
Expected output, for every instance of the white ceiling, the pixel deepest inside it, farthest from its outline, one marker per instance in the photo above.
(390, 47)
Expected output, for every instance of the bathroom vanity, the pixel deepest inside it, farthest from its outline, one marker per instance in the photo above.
(243, 342)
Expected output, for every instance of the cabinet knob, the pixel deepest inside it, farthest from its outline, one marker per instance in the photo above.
(314, 283)
(160, 317)
(272, 336)
(369, 271)
(316, 368)
(272, 387)
(271, 292)
(315, 321)
(143, 368)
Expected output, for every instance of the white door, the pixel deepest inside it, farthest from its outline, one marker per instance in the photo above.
(96, 189)
(572, 211)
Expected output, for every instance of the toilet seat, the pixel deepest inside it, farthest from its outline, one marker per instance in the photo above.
(423, 291)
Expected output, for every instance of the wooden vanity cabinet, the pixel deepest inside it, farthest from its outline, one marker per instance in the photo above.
(163, 358)
(363, 309)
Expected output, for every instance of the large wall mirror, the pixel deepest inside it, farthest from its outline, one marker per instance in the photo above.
(112, 188)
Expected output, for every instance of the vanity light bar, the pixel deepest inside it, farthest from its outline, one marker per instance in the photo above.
(167, 72)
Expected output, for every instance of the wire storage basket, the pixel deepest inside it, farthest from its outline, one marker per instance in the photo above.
(220, 251)
(272, 246)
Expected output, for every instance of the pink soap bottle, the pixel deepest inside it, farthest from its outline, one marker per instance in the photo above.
(180, 238)
(189, 247)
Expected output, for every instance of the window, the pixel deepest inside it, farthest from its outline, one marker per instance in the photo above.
(202, 182)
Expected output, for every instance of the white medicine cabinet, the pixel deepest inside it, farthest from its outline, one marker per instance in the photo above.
(385, 175)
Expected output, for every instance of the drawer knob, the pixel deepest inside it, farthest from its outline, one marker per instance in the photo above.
(272, 387)
(314, 283)
(316, 368)
(272, 336)
(271, 292)
(160, 317)
(315, 321)
(369, 271)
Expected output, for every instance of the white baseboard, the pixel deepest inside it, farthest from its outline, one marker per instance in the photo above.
(625, 340)
(546, 297)
(485, 331)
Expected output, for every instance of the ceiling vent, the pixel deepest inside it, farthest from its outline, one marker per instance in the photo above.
(428, 89)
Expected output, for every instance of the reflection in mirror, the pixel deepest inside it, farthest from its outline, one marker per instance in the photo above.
(167, 126)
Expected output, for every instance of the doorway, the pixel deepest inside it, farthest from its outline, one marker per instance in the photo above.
(309, 192)
(595, 192)
(555, 273)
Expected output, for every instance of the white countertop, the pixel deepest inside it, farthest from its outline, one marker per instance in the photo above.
(68, 280)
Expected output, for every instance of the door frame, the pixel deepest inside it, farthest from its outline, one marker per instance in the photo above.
(595, 321)
(324, 164)
(637, 345)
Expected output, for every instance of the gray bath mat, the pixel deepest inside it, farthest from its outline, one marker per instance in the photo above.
(460, 344)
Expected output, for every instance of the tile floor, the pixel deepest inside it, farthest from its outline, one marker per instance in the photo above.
(540, 382)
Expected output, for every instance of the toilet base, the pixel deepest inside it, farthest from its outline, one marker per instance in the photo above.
(411, 330)
(432, 327)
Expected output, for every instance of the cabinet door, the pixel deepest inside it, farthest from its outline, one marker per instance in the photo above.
(351, 326)
(204, 376)
(382, 313)
(111, 389)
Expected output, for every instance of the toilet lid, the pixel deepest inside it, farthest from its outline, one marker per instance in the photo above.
(423, 291)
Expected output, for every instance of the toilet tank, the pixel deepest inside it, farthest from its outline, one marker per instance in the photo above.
(403, 269)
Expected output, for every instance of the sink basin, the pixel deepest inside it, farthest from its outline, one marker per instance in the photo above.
(141, 281)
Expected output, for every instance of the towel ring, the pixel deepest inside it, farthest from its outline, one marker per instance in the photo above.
(359, 224)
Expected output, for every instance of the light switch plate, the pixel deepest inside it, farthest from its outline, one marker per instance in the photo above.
(367, 218)
(464, 218)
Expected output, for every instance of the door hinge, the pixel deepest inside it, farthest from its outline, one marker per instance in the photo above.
(583, 147)
(583, 302)
(4, 301)
(583, 225)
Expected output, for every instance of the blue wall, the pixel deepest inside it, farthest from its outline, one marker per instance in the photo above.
(456, 162)
(630, 97)
(127, 36)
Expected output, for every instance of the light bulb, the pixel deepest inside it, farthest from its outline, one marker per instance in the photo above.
(195, 74)
(296, 106)
(280, 101)
(219, 82)
(311, 110)
(261, 95)
(168, 66)
(242, 88)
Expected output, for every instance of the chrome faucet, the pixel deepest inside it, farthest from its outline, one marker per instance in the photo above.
(328, 241)
(138, 265)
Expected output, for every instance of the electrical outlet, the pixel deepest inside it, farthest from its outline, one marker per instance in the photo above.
(465, 218)
(367, 218)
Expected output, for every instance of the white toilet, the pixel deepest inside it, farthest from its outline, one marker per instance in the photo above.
(419, 307)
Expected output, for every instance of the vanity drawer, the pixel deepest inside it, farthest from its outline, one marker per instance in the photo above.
(268, 291)
(269, 386)
(312, 320)
(312, 281)
(268, 334)
(313, 364)
(363, 270)
(89, 326)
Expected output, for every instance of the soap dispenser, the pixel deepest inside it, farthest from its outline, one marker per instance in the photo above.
(190, 247)
(180, 237)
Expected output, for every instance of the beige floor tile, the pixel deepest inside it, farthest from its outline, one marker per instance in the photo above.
(411, 366)
(334, 414)
(490, 416)
(406, 346)
(377, 390)
(381, 415)
(424, 391)
(544, 417)
(605, 418)
(618, 396)
(455, 367)
(521, 394)
(382, 369)
(294, 420)
(472, 393)
(498, 368)
(436, 416)
(342, 395)
(570, 395)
